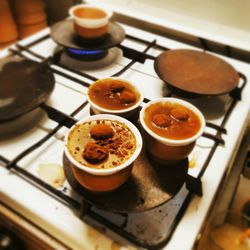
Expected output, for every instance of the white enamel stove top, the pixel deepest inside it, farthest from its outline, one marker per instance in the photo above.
(61, 220)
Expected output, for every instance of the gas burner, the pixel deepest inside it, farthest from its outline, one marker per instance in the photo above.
(164, 182)
(86, 55)
(80, 54)
(90, 59)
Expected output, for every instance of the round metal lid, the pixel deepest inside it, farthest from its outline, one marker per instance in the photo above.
(196, 72)
(24, 85)
(63, 34)
(149, 186)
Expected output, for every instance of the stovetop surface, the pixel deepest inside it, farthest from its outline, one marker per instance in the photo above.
(163, 226)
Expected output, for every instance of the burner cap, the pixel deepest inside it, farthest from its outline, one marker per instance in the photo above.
(63, 34)
(24, 85)
(164, 182)
(196, 72)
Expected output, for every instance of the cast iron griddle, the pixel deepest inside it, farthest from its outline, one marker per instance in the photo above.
(63, 34)
(149, 186)
(24, 85)
(196, 72)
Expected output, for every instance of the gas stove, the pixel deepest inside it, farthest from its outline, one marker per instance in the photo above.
(66, 214)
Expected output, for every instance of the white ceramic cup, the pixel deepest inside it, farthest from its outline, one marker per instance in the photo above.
(166, 150)
(87, 27)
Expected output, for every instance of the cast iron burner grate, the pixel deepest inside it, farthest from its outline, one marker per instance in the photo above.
(86, 210)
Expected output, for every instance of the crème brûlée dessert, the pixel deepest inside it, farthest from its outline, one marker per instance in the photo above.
(172, 128)
(101, 150)
(101, 144)
(172, 120)
(113, 94)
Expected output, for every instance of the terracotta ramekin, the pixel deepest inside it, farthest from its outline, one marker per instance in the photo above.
(103, 180)
(90, 28)
(126, 113)
(169, 151)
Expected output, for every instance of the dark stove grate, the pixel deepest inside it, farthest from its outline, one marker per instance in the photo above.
(84, 208)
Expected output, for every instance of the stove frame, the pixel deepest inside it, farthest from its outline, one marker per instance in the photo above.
(68, 120)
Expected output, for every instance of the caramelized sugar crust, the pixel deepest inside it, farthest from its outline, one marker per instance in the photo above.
(172, 120)
(90, 13)
(113, 94)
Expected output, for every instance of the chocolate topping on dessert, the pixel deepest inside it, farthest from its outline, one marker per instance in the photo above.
(161, 120)
(101, 131)
(101, 144)
(127, 97)
(113, 94)
(172, 120)
(117, 87)
(95, 153)
(179, 114)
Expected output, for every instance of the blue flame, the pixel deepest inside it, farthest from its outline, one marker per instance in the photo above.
(85, 52)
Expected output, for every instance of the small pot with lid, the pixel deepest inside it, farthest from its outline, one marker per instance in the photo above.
(24, 86)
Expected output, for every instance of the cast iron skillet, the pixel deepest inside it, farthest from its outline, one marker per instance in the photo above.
(24, 85)
(196, 72)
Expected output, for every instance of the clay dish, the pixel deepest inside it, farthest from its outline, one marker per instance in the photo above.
(172, 127)
(97, 158)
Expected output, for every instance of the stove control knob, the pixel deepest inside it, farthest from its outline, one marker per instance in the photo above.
(9, 240)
